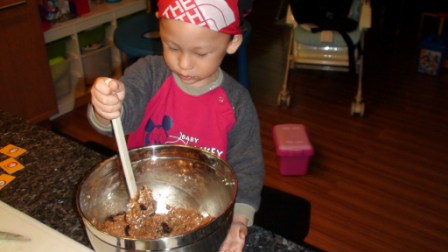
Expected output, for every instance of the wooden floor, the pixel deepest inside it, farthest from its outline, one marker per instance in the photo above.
(376, 183)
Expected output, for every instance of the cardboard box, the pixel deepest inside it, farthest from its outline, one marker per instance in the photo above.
(293, 148)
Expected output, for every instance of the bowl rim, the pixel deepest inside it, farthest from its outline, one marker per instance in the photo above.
(221, 221)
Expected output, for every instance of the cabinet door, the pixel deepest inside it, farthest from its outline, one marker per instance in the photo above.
(26, 86)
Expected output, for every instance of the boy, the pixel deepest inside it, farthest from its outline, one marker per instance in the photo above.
(185, 98)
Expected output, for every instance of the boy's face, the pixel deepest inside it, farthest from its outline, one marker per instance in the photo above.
(193, 52)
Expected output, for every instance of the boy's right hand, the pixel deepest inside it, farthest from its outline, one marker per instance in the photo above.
(107, 97)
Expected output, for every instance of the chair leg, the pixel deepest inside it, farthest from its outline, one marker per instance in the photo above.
(358, 106)
(284, 98)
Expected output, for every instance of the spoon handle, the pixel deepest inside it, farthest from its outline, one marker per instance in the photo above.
(124, 157)
(124, 153)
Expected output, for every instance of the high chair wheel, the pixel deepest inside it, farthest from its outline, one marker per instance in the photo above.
(288, 101)
(283, 99)
(357, 108)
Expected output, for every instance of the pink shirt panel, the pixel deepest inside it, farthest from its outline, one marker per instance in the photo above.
(175, 117)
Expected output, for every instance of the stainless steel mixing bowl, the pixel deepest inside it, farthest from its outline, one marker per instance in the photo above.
(179, 176)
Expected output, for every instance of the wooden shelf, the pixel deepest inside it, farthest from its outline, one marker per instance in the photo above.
(106, 14)
(100, 14)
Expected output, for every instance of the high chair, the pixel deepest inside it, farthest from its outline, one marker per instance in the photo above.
(327, 49)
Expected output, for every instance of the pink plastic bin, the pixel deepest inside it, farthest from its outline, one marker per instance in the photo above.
(293, 148)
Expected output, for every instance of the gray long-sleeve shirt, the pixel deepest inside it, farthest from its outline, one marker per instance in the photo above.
(143, 80)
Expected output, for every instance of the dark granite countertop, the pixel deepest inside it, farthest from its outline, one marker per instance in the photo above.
(54, 165)
(45, 188)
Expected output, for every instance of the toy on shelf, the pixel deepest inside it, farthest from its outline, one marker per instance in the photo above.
(52, 11)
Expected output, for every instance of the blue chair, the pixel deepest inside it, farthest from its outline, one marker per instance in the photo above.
(138, 36)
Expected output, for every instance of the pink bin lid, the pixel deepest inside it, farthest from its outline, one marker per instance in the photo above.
(291, 139)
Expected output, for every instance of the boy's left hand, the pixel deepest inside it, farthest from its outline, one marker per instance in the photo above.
(236, 236)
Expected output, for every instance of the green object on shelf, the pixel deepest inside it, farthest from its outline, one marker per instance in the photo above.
(92, 36)
(54, 61)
